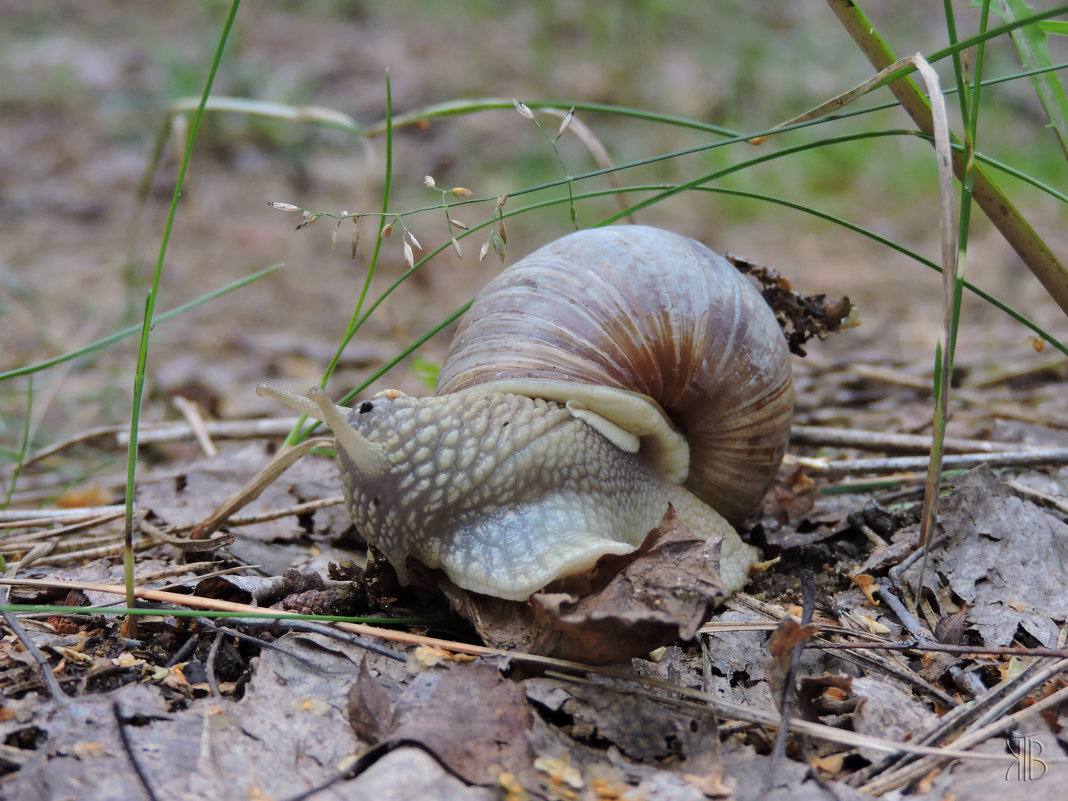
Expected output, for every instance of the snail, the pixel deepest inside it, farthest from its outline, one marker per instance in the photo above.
(604, 377)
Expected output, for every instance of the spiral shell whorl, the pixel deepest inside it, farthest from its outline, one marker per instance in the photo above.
(652, 312)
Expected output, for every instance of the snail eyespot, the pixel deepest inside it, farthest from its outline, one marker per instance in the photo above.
(366, 406)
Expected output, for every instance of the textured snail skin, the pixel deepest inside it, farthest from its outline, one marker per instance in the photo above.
(506, 493)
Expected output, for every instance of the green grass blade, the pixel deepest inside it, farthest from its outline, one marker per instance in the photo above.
(150, 305)
(356, 321)
(1033, 49)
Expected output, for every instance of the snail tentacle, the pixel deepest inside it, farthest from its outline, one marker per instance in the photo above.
(368, 457)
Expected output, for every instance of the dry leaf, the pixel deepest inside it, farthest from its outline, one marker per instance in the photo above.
(427, 656)
(868, 586)
(560, 771)
(830, 764)
(634, 603)
(475, 723)
(1000, 547)
(781, 645)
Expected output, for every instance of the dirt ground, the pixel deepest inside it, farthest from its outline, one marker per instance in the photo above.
(86, 88)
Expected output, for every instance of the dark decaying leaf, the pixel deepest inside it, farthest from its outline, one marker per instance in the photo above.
(369, 708)
(660, 593)
(475, 722)
(1004, 556)
(642, 728)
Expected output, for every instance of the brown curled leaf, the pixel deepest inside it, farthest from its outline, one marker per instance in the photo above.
(630, 605)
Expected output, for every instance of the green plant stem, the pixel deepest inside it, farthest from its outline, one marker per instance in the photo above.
(356, 321)
(150, 305)
(1013, 227)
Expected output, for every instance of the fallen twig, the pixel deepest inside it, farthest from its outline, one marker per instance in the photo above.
(884, 441)
(191, 412)
(962, 461)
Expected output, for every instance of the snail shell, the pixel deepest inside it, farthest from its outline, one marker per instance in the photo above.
(656, 334)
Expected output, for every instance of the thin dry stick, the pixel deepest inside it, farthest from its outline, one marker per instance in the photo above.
(922, 644)
(275, 514)
(18, 541)
(183, 544)
(1018, 370)
(142, 777)
(191, 412)
(884, 441)
(969, 396)
(789, 690)
(23, 518)
(218, 429)
(94, 553)
(962, 461)
(1033, 495)
(172, 431)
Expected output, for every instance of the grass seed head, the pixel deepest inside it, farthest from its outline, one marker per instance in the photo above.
(523, 109)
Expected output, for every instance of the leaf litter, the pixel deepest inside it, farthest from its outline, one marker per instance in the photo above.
(303, 711)
(458, 730)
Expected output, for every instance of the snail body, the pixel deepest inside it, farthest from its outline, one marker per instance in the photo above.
(606, 376)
